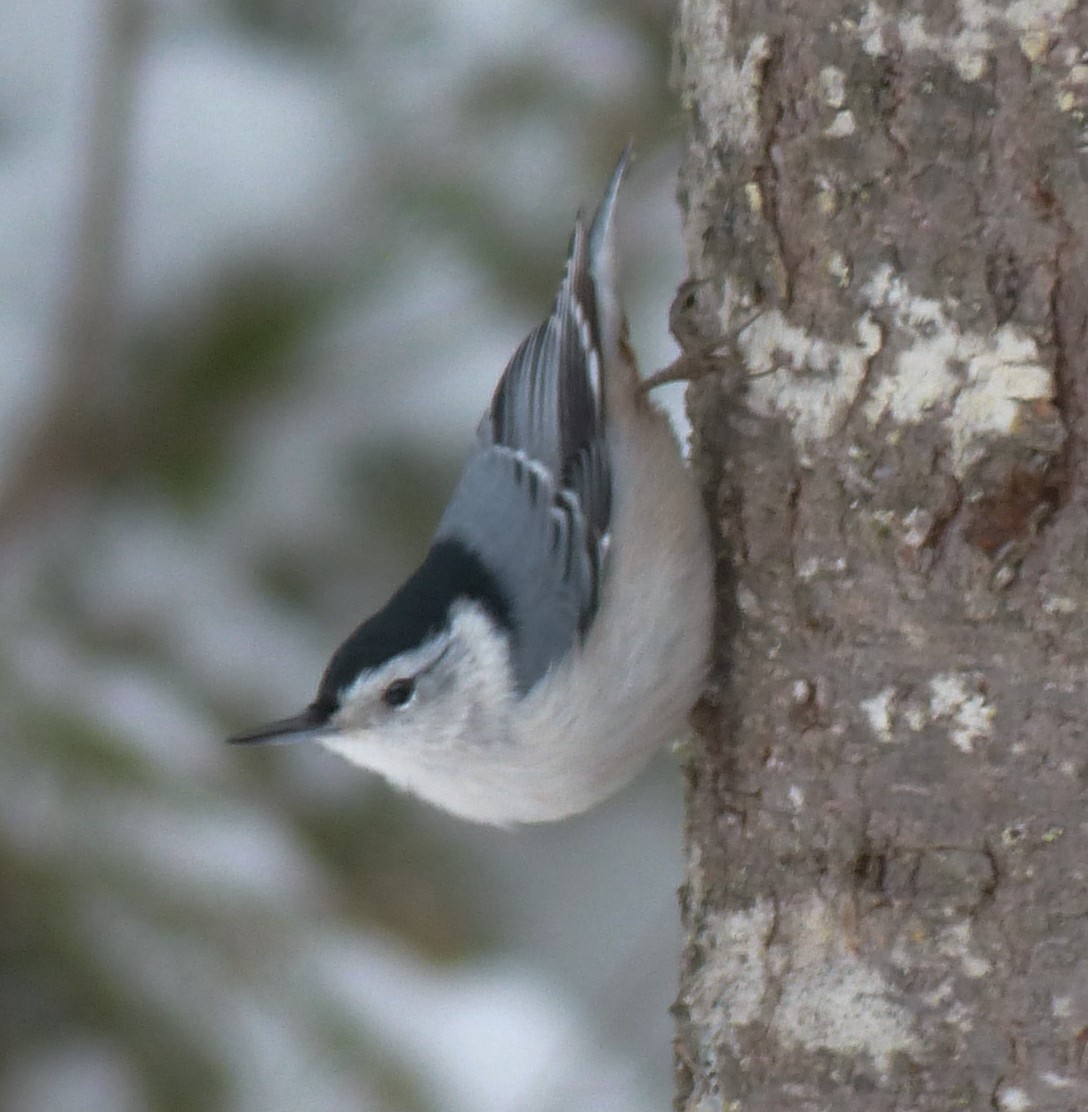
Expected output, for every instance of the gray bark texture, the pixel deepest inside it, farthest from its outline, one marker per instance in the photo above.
(886, 896)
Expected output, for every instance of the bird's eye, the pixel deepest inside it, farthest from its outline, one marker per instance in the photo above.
(399, 693)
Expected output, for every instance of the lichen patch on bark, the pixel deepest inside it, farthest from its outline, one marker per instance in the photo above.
(724, 90)
(830, 998)
(969, 42)
(733, 991)
(790, 970)
(976, 383)
(980, 379)
(878, 712)
(810, 380)
(970, 716)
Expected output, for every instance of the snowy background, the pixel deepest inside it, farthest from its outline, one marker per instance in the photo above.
(261, 262)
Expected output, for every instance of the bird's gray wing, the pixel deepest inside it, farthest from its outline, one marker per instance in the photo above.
(535, 501)
(549, 403)
(533, 537)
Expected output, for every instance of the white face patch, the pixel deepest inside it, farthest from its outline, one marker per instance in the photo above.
(452, 741)
(447, 695)
(395, 686)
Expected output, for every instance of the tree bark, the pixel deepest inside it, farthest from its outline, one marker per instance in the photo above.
(886, 210)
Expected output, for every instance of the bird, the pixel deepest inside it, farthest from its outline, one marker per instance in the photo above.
(557, 633)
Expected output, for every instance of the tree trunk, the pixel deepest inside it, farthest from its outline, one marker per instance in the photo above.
(886, 213)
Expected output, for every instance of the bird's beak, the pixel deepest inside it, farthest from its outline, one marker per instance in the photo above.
(299, 727)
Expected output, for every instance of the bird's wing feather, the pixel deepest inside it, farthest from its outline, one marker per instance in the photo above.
(536, 498)
(538, 546)
(549, 403)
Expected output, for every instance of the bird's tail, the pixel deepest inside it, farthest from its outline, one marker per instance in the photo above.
(602, 265)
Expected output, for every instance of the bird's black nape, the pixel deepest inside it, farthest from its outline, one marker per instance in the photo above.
(418, 610)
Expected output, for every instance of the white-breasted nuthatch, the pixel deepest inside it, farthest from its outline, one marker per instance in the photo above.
(558, 631)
